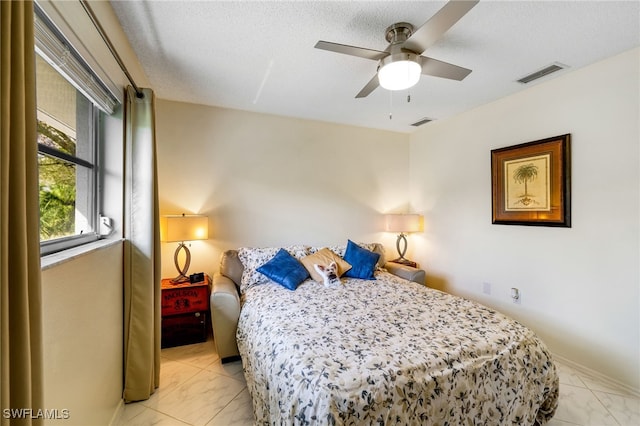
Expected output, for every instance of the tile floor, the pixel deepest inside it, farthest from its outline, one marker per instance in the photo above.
(196, 389)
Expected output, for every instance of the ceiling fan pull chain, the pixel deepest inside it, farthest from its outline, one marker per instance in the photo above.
(408, 97)
(390, 105)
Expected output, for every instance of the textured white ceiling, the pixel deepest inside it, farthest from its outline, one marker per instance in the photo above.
(260, 56)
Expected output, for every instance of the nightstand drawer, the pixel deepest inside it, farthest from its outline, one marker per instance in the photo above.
(184, 329)
(185, 299)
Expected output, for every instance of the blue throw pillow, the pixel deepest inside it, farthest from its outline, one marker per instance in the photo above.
(284, 269)
(363, 262)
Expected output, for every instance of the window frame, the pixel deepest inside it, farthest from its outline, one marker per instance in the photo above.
(57, 51)
(63, 243)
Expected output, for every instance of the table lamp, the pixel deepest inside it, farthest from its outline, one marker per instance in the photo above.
(181, 228)
(402, 223)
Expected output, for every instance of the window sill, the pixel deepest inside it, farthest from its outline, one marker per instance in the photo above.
(58, 258)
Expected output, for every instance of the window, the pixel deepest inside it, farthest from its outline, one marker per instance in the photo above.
(70, 101)
(66, 158)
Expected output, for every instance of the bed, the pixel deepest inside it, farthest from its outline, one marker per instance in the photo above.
(389, 351)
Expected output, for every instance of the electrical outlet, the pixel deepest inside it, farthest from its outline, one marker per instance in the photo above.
(516, 297)
(486, 288)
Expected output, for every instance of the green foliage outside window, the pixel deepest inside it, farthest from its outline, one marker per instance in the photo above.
(57, 185)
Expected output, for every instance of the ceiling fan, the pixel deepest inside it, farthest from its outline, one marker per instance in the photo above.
(401, 63)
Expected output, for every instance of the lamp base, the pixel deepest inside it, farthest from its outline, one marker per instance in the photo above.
(180, 279)
(403, 261)
(182, 271)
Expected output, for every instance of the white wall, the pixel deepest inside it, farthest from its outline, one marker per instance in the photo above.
(580, 286)
(265, 180)
(82, 311)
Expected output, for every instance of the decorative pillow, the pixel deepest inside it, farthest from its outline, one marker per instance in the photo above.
(252, 258)
(377, 248)
(339, 250)
(324, 257)
(363, 261)
(284, 269)
(374, 247)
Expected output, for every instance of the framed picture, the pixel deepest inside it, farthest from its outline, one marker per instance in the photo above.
(531, 183)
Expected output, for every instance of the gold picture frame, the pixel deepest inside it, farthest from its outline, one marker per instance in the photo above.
(531, 183)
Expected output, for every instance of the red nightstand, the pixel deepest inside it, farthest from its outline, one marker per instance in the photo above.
(185, 312)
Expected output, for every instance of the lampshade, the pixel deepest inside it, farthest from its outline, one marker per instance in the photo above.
(403, 223)
(184, 228)
(400, 71)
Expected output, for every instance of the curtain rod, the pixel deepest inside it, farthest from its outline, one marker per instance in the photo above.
(112, 49)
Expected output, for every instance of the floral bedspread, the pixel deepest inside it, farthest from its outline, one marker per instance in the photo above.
(389, 352)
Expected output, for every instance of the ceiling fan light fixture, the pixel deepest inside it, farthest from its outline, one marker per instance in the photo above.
(399, 71)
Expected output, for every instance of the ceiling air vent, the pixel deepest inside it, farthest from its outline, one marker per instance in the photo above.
(422, 121)
(541, 73)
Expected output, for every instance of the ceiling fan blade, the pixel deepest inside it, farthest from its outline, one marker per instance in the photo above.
(437, 25)
(351, 50)
(442, 69)
(370, 87)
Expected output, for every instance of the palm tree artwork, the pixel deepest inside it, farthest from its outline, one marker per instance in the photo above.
(525, 174)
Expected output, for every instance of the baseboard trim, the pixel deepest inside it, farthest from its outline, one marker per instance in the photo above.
(597, 375)
(117, 414)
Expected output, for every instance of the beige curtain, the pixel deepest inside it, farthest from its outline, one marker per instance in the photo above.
(20, 297)
(142, 250)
